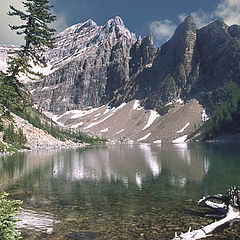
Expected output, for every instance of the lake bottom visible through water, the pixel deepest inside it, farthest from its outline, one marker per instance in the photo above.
(137, 191)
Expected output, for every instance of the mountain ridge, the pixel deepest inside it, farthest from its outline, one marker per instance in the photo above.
(94, 61)
(95, 66)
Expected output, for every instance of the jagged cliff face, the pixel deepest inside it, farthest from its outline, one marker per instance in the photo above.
(90, 62)
(93, 65)
(191, 64)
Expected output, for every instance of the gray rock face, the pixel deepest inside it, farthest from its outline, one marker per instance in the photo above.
(191, 64)
(90, 63)
(97, 64)
(174, 66)
(219, 54)
(142, 54)
(173, 69)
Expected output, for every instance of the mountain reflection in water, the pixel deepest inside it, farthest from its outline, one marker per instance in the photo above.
(125, 163)
(82, 188)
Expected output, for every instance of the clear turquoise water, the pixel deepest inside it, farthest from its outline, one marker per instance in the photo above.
(119, 191)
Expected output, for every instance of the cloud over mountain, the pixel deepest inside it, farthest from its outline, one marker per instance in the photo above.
(8, 36)
(227, 10)
(162, 30)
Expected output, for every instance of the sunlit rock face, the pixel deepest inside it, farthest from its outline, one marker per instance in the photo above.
(93, 65)
(91, 62)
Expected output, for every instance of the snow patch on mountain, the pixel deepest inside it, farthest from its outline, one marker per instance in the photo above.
(122, 130)
(182, 130)
(137, 106)
(180, 139)
(105, 130)
(119, 107)
(205, 117)
(81, 113)
(153, 116)
(77, 125)
(145, 137)
(96, 123)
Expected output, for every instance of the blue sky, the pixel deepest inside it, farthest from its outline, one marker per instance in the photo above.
(159, 17)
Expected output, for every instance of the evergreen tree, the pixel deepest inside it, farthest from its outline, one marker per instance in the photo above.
(38, 37)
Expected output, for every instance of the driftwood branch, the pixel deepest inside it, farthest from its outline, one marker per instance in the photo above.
(229, 208)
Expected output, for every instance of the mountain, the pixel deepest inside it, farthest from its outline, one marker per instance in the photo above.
(192, 64)
(106, 67)
(93, 65)
(4, 49)
(89, 64)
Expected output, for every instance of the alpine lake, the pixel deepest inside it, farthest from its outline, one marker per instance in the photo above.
(138, 191)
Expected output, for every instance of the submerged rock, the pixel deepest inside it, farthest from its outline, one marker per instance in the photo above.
(82, 235)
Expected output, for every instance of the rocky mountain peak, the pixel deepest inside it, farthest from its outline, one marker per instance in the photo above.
(116, 27)
(116, 21)
(98, 64)
(88, 65)
(87, 24)
(176, 57)
(142, 54)
(216, 30)
(77, 28)
(186, 30)
(213, 35)
(148, 40)
(189, 20)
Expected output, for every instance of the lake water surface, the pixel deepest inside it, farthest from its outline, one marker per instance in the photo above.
(119, 191)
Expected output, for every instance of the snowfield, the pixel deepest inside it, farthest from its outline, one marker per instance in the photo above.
(129, 122)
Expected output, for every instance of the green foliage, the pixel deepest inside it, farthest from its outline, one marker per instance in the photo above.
(12, 100)
(8, 210)
(38, 120)
(12, 137)
(1, 125)
(37, 34)
(2, 147)
(225, 117)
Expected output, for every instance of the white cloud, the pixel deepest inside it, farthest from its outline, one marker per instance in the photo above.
(229, 11)
(162, 30)
(60, 24)
(182, 16)
(8, 36)
(201, 18)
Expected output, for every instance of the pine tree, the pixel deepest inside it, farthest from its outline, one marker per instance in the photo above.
(38, 37)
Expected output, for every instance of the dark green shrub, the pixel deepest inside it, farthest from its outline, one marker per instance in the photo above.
(8, 210)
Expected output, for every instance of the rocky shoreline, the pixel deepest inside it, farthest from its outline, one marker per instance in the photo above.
(48, 147)
(38, 139)
(234, 138)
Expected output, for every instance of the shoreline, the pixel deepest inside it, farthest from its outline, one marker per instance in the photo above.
(47, 147)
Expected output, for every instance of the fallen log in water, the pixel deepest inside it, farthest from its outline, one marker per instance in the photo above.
(229, 208)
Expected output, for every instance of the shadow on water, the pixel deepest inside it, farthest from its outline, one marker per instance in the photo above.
(118, 191)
